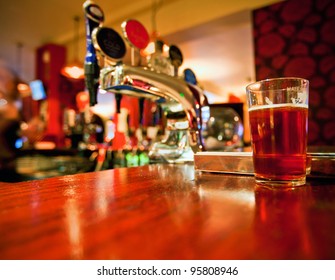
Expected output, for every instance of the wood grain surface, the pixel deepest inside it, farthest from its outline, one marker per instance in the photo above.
(165, 212)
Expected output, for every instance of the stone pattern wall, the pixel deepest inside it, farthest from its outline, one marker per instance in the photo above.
(297, 38)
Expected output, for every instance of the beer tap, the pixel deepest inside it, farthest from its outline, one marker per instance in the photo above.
(138, 39)
(158, 61)
(184, 104)
(190, 77)
(94, 18)
(111, 46)
(176, 58)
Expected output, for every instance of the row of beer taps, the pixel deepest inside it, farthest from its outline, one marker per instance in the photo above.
(183, 102)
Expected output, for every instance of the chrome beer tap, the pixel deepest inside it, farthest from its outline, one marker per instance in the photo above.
(184, 105)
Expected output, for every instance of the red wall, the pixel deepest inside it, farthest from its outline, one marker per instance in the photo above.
(50, 60)
(297, 38)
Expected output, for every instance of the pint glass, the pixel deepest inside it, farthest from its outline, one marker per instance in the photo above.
(278, 114)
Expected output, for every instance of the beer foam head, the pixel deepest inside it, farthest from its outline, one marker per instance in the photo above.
(272, 106)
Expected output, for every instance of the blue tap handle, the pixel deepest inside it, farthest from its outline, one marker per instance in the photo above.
(94, 18)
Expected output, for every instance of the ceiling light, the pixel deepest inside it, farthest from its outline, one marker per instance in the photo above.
(74, 70)
(24, 89)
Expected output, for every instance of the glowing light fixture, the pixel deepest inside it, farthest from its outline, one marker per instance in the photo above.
(22, 87)
(75, 69)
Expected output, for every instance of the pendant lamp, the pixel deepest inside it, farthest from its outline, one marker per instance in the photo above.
(75, 69)
(150, 49)
(22, 87)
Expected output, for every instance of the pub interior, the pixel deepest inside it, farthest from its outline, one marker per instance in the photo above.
(133, 157)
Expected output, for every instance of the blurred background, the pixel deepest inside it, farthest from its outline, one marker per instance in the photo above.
(228, 44)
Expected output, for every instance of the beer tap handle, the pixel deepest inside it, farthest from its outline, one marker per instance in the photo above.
(190, 77)
(111, 45)
(94, 17)
(176, 58)
(137, 37)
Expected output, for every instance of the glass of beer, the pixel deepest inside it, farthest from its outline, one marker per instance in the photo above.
(278, 115)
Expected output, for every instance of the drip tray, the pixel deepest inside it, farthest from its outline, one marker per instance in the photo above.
(322, 164)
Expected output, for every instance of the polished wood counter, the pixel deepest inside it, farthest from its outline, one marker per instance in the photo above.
(165, 212)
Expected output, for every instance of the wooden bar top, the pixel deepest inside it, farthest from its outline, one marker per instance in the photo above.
(165, 212)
